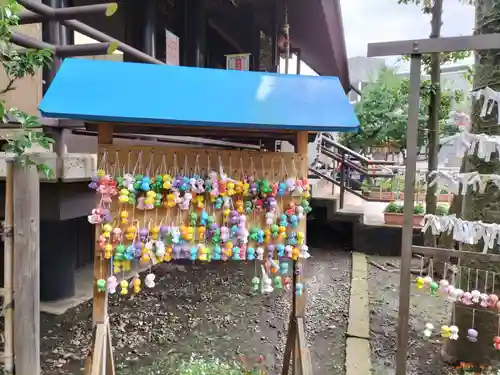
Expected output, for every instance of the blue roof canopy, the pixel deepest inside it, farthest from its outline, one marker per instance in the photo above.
(108, 91)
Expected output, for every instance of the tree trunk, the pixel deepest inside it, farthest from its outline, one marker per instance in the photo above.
(485, 207)
(433, 111)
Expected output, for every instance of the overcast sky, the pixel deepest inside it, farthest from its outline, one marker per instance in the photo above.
(368, 21)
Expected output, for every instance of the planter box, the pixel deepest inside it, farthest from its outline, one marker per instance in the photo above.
(385, 196)
(397, 219)
(388, 196)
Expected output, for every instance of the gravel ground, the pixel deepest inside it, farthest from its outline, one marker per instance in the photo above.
(206, 309)
(424, 354)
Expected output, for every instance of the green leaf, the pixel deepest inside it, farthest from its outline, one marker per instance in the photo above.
(46, 170)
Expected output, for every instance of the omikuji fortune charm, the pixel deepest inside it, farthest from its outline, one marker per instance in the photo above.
(428, 330)
(472, 335)
(101, 285)
(445, 331)
(154, 212)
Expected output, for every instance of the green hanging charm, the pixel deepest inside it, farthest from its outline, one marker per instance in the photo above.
(433, 288)
(193, 218)
(101, 285)
(278, 283)
(255, 284)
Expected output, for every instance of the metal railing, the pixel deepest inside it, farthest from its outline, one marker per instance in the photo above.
(371, 180)
(347, 168)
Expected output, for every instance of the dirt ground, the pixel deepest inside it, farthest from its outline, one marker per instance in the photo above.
(424, 354)
(207, 310)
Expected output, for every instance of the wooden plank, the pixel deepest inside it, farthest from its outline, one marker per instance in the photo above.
(299, 302)
(110, 361)
(101, 266)
(196, 131)
(99, 348)
(305, 359)
(94, 361)
(6, 291)
(443, 254)
(290, 342)
(359, 316)
(26, 269)
(301, 147)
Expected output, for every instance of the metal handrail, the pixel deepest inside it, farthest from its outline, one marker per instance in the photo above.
(353, 153)
(368, 168)
(359, 168)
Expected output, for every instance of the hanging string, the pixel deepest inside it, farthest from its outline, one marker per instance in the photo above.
(294, 167)
(116, 166)
(139, 159)
(129, 155)
(486, 282)
(242, 169)
(164, 166)
(264, 172)
(197, 165)
(473, 317)
(477, 278)
(176, 166)
(459, 271)
(493, 285)
(103, 160)
(421, 266)
(468, 279)
(498, 326)
(283, 167)
(445, 271)
(221, 168)
(185, 168)
(252, 168)
(230, 171)
(150, 164)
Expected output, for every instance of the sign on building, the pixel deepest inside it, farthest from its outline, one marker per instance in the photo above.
(172, 48)
(239, 61)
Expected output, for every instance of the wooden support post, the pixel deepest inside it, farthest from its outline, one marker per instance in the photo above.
(8, 272)
(100, 359)
(295, 349)
(26, 269)
(301, 144)
(290, 343)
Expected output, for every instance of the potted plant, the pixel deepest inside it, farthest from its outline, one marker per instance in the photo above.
(444, 196)
(393, 214)
(442, 210)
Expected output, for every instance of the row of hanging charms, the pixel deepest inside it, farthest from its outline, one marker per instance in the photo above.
(199, 235)
(471, 297)
(483, 146)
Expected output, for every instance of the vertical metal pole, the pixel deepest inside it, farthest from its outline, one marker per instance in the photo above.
(342, 181)
(286, 29)
(149, 27)
(66, 35)
(298, 55)
(409, 190)
(50, 34)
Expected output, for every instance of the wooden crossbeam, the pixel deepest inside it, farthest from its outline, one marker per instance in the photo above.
(440, 253)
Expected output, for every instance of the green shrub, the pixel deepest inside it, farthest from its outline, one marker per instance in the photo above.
(396, 208)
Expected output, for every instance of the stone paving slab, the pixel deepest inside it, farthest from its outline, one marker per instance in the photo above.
(358, 353)
(359, 317)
